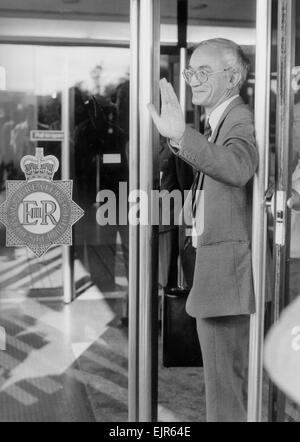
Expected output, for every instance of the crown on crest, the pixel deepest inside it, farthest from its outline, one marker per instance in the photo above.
(39, 167)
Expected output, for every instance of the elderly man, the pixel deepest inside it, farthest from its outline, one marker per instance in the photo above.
(225, 159)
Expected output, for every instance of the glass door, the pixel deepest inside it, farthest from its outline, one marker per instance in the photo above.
(284, 177)
(56, 362)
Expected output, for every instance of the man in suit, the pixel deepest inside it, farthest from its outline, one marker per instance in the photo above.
(221, 298)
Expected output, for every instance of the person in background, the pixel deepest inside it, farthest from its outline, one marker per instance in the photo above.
(175, 174)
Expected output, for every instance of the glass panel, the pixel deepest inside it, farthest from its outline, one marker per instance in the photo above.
(43, 369)
(185, 400)
(291, 411)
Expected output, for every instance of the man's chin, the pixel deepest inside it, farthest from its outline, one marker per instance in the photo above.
(199, 98)
(197, 101)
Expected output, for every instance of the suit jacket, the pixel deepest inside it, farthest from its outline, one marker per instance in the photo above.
(222, 284)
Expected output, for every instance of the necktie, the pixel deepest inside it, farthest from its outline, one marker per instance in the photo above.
(207, 130)
(199, 176)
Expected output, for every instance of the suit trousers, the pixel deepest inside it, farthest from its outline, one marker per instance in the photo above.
(225, 342)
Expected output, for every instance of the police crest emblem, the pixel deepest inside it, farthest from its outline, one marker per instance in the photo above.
(39, 212)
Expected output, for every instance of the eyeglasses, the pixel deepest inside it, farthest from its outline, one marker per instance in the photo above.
(200, 74)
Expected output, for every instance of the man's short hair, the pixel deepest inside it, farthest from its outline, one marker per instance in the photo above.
(236, 57)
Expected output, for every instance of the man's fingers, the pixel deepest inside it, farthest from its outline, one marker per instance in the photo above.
(168, 96)
(172, 96)
(154, 115)
(165, 93)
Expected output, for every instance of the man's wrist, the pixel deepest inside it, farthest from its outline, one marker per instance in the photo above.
(176, 142)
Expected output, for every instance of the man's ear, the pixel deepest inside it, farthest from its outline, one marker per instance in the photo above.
(234, 78)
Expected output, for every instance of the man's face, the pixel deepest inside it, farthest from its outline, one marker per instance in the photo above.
(214, 91)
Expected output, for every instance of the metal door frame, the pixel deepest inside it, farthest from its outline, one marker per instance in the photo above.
(284, 119)
(259, 217)
(143, 244)
(283, 177)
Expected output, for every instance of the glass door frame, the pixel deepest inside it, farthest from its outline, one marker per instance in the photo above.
(281, 244)
(259, 215)
(286, 31)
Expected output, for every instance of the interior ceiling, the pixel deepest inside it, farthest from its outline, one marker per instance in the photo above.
(210, 12)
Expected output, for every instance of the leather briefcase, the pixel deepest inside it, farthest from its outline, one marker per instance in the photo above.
(181, 346)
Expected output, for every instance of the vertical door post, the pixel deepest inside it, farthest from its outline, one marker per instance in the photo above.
(133, 283)
(259, 222)
(284, 131)
(67, 252)
(149, 51)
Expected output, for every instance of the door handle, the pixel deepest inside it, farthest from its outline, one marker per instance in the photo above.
(279, 217)
(269, 199)
(281, 205)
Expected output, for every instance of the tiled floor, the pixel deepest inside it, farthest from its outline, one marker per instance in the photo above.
(69, 363)
(40, 377)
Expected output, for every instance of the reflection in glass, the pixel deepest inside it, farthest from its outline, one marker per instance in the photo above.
(98, 84)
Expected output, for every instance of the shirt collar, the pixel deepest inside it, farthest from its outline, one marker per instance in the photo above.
(216, 114)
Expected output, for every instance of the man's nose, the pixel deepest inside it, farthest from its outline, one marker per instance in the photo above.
(194, 81)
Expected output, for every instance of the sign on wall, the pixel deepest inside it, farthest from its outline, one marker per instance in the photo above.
(46, 135)
(39, 212)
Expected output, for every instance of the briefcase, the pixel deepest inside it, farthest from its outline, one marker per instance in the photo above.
(181, 346)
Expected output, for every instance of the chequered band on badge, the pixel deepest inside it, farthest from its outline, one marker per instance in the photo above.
(39, 212)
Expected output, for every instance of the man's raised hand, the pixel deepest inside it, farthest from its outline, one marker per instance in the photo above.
(170, 123)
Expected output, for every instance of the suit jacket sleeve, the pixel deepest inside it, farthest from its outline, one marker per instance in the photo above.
(233, 162)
